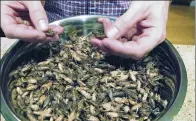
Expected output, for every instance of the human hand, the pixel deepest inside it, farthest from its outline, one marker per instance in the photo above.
(26, 20)
(143, 26)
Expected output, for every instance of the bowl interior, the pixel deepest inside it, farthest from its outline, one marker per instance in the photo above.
(23, 52)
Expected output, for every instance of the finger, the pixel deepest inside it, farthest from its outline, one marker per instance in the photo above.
(30, 27)
(23, 32)
(37, 15)
(134, 34)
(135, 38)
(52, 39)
(57, 29)
(130, 49)
(15, 5)
(98, 43)
(123, 40)
(19, 20)
(107, 23)
(131, 33)
(159, 25)
(134, 49)
(125, 22)
(149, 23)
(8, 16)
(55, 37)
(13, 30)
(27, 21)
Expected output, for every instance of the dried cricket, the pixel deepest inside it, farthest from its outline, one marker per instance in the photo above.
(78, 82)
(50, 32)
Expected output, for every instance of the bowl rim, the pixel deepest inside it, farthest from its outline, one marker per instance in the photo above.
(167, 116)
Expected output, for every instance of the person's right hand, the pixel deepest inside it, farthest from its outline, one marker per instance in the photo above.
(26, 20)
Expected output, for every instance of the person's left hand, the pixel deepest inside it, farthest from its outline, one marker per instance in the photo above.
(27, 21)
(143, 26)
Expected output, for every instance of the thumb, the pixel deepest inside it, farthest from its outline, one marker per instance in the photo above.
(125, 22)
(38, 15)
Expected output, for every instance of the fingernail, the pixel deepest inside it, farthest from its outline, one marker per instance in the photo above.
(112, 33)
(43, 25)
(94, 41)
(59, 29)
(100, 19)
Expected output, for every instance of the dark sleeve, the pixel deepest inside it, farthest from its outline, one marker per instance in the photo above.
(2, 33)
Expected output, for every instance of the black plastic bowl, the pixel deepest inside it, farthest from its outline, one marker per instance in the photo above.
(22, 52)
